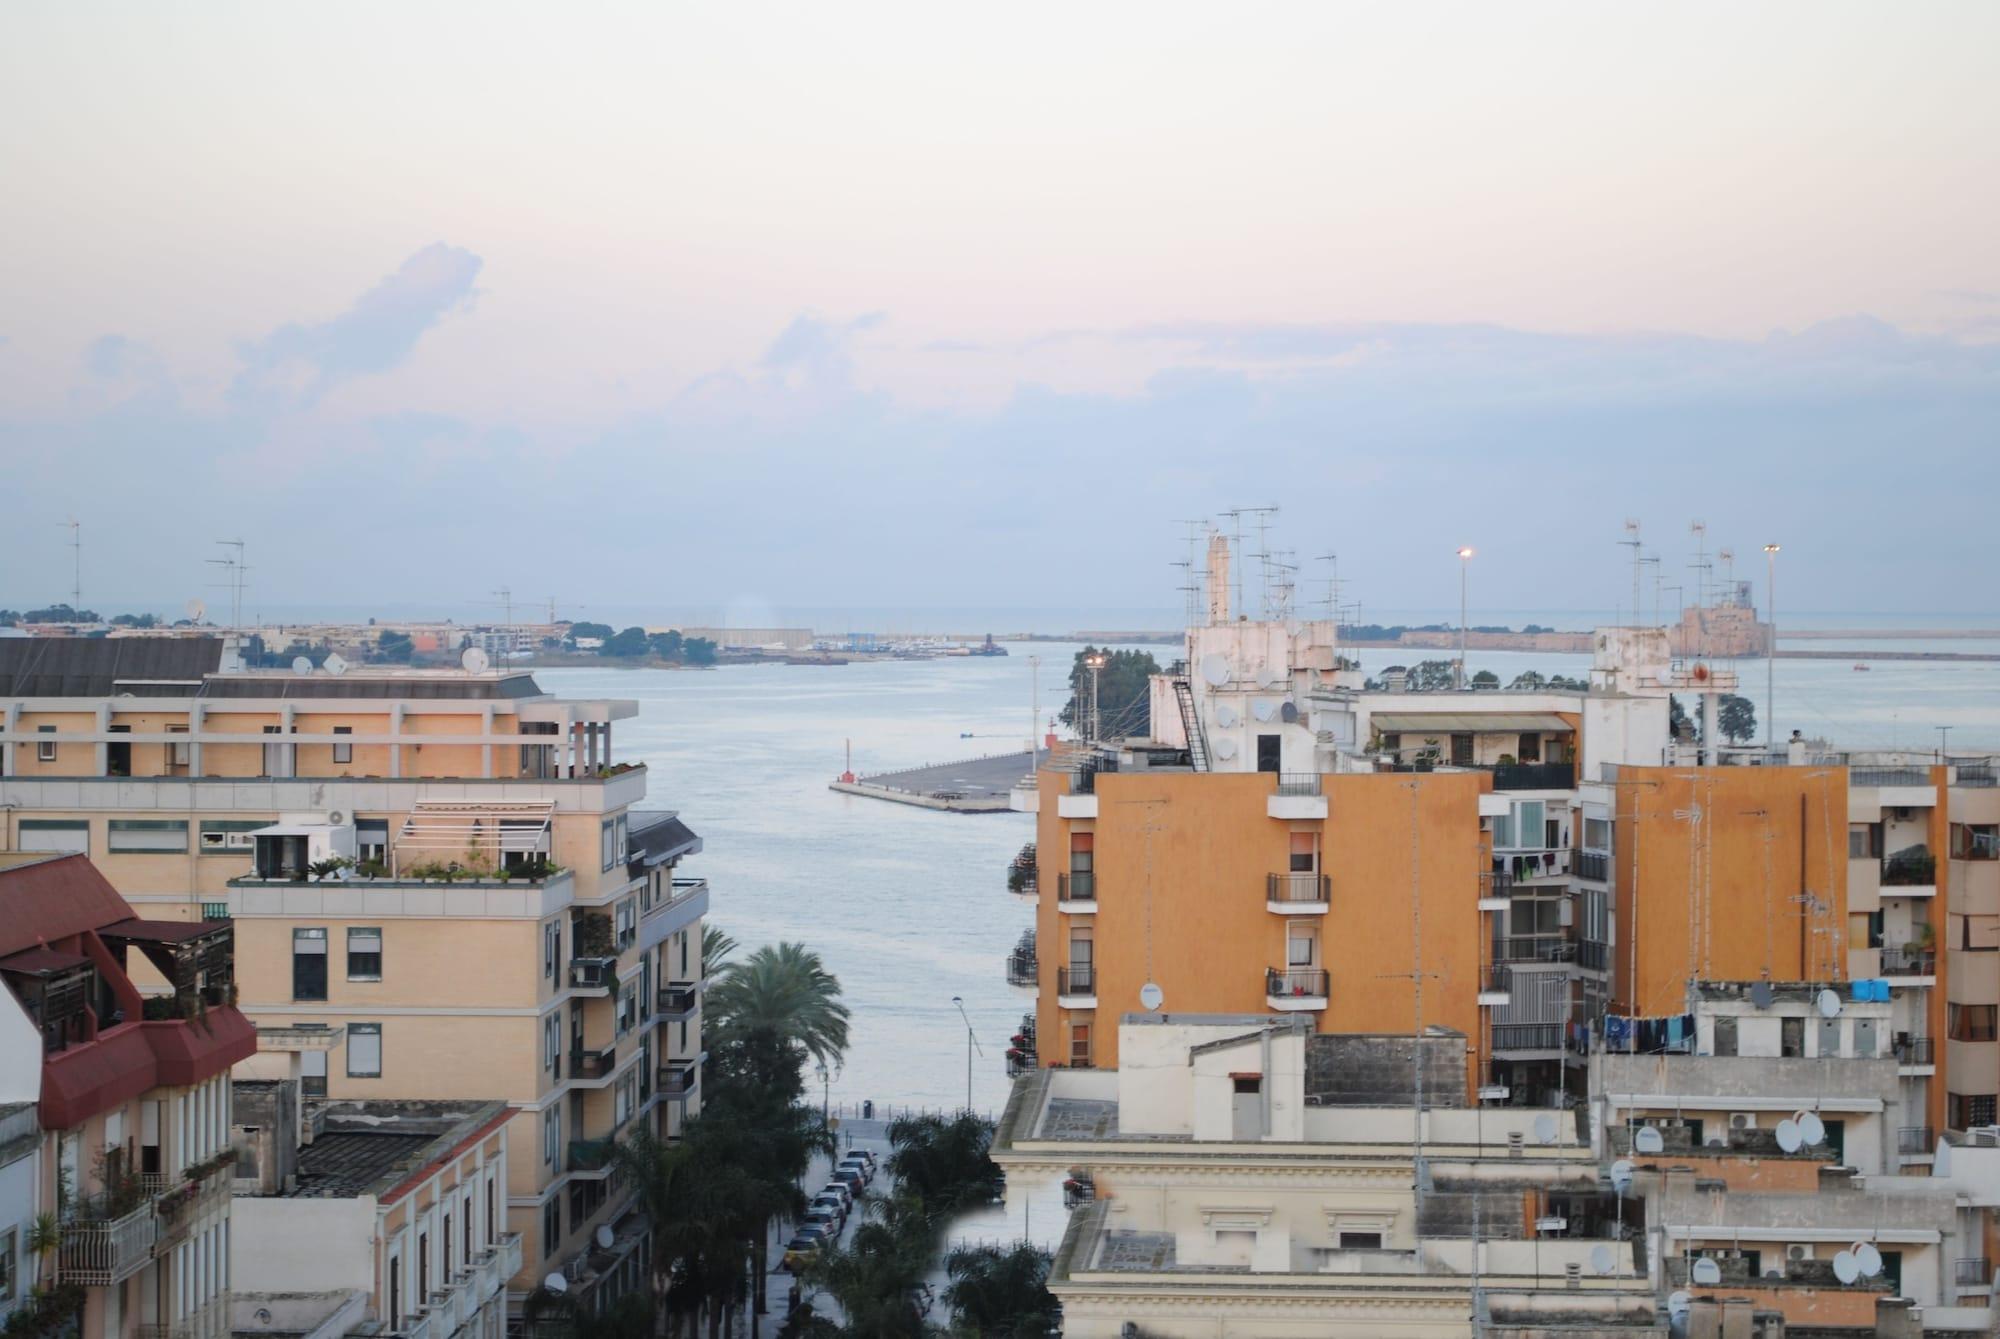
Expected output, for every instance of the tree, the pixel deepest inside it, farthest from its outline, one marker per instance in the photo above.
(1434, 676)
(545, 1314)
(699, 651)
(1001, 1292)
(716, 946)
(1124, 693)
(135, 621)
(60, 613)
(1678, 723)
(1526, 682)
(785, 991)
(394, 646)
(1485, 679)
(1736, 717)
(601, 631)
(631, 642)
(946, 1161)
(877, 1278)
(665, 645)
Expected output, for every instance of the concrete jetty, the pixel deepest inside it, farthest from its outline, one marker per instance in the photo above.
(970, 786)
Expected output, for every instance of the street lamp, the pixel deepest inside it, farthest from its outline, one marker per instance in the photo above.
(971, 1044)
(1093, 662)
(825, 1089)
(1770, 648)
(1464, 562)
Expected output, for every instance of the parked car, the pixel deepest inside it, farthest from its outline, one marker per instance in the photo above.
(827, 1199)
(799, 1250)
(855, 1164)
(842, 1189)
(851, 1178)
(825, 1216)
(862, 1154)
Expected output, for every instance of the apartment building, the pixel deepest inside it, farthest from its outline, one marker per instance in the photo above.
(134, 1104)
(441, 886)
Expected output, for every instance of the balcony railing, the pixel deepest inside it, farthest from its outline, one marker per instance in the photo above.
(1021, 1048)
(1975, 1272)
(98, 1252)
(1295, 983)
(1914, 1140)
(1298, 783)
(1077, 886)
(1298, 888)
(1080, 979)
(208, 1321)
(677, 1002)
(1592, 865)
(1535, 776)
(1496, 979)
(1909, 869)
(593, 973)
(1535, 948)
(1907, 960)
(678, 1079)
(1916, 1051)
(1022, 969)
(591, 1155)
(1543, 864)
(1888, 776)
(1593, 954)
(1527, 1036)
(586, 1062)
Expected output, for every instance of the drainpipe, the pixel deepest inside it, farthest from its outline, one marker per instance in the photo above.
(1264, 1088)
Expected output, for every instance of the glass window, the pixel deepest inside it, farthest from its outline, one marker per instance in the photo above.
(551, 1135)
(147, 834)
(1503, 831)
(229, 836)
(1528, 823)
(343, 752)
(45, 749)
(1597, 834)
(1080, 851)
(312, 1073)
(54, 834)
(1301, 946)
(1975, 841)
(1973, 1022)
(1864, 841)
(551, 1042)
(309, 963)
(364, 1050)
(1305, 853)
(552, 1225)
(364, 953)
(551, 948)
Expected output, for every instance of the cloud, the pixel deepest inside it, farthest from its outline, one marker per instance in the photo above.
(114, 357)
(1978, 295)
(295, 365)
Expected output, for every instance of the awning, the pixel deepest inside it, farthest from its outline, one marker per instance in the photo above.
(160, 932)
(1469, 722)
(521, 826)
(291, 830)
(42, 962)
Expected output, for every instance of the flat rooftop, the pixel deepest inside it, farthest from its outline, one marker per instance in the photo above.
(369, 1148)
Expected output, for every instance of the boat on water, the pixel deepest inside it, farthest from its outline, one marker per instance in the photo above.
(1861, 667)
(989, 647)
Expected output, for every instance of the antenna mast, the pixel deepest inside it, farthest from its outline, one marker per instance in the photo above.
(1632, 542)
(75, 528)
(234, 568)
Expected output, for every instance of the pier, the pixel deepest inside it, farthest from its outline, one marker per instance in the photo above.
(971, 786)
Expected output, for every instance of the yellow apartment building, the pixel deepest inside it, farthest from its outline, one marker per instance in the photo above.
(443, 874)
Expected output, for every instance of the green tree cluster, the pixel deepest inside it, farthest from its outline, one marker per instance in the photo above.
(1123, 692)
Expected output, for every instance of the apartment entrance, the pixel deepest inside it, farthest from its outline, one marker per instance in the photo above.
(118, 753)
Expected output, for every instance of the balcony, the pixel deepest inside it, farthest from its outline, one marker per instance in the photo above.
(1295, 989)
(1298, 797)
(678, 1079)
(1535, 948)
(1022, 967)
(676, 1003)
(1021, 1048)
(1592, 865)
(1916, 1053)
(1911, 873)
(1022, 873)
(1518, 1037)
(1535, 776)
(591, 1155)
(1076, 891)
(1298, 894)
(1526, 866)
(101, 1251)
(594, 973)
(1974, 1274)
(1076, 986)
(1593, 955)
(1908, 960)
(1916, 1141)
(208, 1321)
(592, 1063)
(1496, 985)
(684, 904)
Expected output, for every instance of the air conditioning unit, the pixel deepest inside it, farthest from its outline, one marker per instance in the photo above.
(1742, 1120)
(1796, 1252)
(336, 817)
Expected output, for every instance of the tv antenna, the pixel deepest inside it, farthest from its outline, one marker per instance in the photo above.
(1190, 575)
(75, 528)
(1631, 541)
(233, 582)
(1702, 567)
(1332, 602)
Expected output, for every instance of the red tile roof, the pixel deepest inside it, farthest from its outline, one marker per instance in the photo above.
(55, 899)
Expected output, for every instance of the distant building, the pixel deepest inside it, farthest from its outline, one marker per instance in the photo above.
(750, 639)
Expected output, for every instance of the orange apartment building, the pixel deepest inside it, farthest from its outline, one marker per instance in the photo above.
(440, 883)
(1293, 840)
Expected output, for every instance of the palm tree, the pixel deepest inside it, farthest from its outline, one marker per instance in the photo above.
(946, 1160)
(1001, 1292)
(716, 946)
(783, 992)
(878, 1277)
(553, 1315)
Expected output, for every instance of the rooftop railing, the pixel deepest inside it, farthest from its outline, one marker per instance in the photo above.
(1915, 1140)
(1535, 776)
(1908, 960)
(1298, 783)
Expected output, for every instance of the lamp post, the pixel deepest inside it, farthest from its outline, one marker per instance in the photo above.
(1464, 562)
(825, 1089)
(1094, 662)
(1771, 647)
(971, 1044)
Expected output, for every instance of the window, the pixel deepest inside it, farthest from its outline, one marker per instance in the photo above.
(312, 1073)
(45, 749)
(551, 948)
(1248, 1085)
(178, 752)
(229, 836)
(1975, 841)
(1366, 1241)
(364, 1050)
(9, 1283)
(1970, 1111)
(1079, 1045)
(1268, 747)
(551, 1135)
(1864, 841)
(371, 840)
(1596, 834)
(309, 963)
(628, 1007)
(364, 953)
(1972, 1022)
(1528, 748)
(147, 834)
(118, 752)
(552, 1225)
(552, 1044)
(54, 834)
(1305, 853)
(1301, 945)
(1461, 750)
(611, 837)
(343, 752)
(627, 920)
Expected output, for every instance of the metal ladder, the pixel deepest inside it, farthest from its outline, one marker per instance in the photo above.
(1191, 724)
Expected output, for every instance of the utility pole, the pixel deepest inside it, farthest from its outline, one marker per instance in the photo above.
(1094, 662)
(1034, 711)
(971, 1044)
(232, 564)
(1771, 647)
(75, 528)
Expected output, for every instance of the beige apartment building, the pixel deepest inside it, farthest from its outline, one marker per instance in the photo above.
(439, 883)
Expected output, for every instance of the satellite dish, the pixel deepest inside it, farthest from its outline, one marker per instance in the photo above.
(475, 660)
(1845, 1268)
(1679, 1304)
(1706, 1272)
(302, 665)
(1812, 1129)
(1215, 669)
(1545, 1128)
(1760, 994)
(1226, 716)
(1225, 749)
(1621, 1175)
(1790, 1137)
(605, 1237)
(1289, 712)
(1666, 678)
(1867, 1259)
(335, 664)
(196, 608)
(1269, 676)
(1152, 996)
(1264, 708)
(556, 1283)
(1829, 1004)
(1602, 1261)
(1648, 1140)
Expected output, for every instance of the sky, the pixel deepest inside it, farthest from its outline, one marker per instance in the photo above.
(756, 306)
